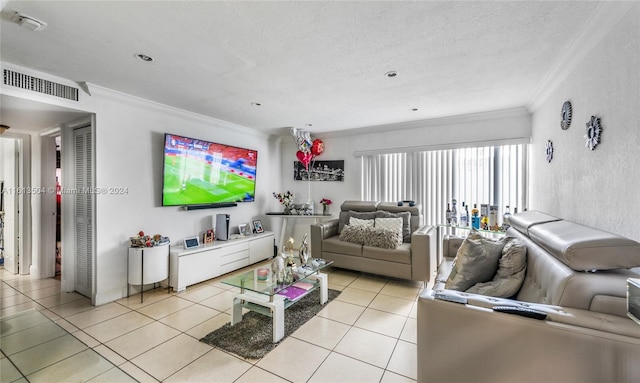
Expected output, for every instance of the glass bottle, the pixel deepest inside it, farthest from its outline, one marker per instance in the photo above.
(505, 218)
(448, 214)
(454, 213)
(464, 215)
(475, 217)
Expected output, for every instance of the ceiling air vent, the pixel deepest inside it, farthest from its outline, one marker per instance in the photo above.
(35, 84)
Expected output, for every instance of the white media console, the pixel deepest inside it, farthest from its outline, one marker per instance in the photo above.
(192, 266)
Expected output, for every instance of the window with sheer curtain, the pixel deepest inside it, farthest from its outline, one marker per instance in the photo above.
(493, 175)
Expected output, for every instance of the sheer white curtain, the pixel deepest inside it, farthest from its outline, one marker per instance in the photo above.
(494, 175)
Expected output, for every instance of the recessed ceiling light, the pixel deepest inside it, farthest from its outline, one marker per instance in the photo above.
(256, 104)
(144, 57)
(391, 73)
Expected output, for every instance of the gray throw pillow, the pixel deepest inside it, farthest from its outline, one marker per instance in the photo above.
(382, 238)
(512, 268)
(353, 233)
(406, 222)
(476, 261)
(355, 214)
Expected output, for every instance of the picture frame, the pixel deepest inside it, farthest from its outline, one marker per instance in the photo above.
(208, 237)
(257, 226)
(319, 171)
(242, 229)
(192, 242)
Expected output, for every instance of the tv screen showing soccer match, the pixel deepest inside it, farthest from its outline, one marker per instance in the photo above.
(202, 172)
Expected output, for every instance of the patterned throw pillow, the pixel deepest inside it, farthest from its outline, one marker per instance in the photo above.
(344, 217)
(353, 233)
(511, 272)
(383, 238)
(476, 261)
(353, 221)
(406, 222)
(393, 224)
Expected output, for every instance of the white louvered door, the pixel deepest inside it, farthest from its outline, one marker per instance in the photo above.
(83, 206)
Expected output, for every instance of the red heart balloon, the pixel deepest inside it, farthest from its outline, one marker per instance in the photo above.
(304, 158)
(317, 147)
(300, 156)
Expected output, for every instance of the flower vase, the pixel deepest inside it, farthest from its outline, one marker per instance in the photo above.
(326, 210)
(287, 210)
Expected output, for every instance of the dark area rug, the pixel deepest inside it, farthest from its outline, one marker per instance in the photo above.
(253, 337)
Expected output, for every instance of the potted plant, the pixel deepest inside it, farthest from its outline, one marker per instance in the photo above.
(325, 206)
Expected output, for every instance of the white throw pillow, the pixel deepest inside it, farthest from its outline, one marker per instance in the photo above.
(360, 222)
(391, 224)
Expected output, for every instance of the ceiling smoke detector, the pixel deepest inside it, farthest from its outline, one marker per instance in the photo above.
(29, 22)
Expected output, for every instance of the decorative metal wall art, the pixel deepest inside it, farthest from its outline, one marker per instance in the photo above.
(592, 135)
(566, 115)
(548, 149)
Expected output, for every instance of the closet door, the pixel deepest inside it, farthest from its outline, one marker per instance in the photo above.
(10, 222)
(83, 206)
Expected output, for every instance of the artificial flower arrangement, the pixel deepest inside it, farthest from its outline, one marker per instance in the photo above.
(142, 240)
(325, 202)
(285, 198)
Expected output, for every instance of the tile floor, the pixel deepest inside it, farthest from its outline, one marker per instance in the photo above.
(368, 334)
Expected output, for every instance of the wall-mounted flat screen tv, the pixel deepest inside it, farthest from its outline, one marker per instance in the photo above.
(199, 172)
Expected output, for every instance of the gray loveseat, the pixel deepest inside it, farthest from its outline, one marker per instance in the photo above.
(576, 275)
(414, 259)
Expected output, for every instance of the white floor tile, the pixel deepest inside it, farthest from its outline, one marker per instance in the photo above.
(294, 360)
(367, 346)
(342, 369)
(322, 332)
(169, 357)
(214, 366)
(381, 322)
(404, 360)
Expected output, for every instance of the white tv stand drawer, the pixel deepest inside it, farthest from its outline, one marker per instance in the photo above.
(188, 267)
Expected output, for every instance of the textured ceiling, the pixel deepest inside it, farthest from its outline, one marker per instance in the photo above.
(321, 63)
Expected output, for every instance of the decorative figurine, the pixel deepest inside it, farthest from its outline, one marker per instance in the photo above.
(303, 252)
(277, 266)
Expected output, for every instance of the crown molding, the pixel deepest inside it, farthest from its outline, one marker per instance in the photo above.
(605, 17)
(432, 122)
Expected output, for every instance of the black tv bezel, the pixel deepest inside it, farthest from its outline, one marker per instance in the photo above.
(205, 204)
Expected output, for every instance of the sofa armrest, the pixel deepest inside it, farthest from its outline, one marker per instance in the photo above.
(450, 245)
(572, 345)
(320, 231)
(424, 253)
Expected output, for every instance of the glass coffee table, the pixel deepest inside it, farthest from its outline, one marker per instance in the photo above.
(263, 294)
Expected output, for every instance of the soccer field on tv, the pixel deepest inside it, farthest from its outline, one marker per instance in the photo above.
(190, 181)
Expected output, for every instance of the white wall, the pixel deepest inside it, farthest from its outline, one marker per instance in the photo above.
(448, 132)
(129, 144)
(597, 188)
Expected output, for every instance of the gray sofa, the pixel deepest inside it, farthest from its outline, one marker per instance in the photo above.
(414, 259)
(576, 275)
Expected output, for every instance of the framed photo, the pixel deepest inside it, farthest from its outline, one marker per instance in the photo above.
(242, 229)
(208, 237)
(257, 227)
(319, 171)
(190, 243)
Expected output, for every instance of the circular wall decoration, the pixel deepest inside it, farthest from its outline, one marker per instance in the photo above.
(548, 149)
(566, 115)
(593, 132)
